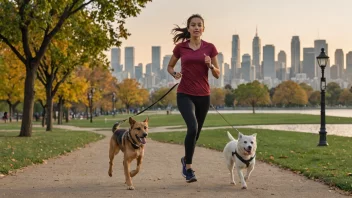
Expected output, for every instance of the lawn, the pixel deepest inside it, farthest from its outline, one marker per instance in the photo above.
(215, 120)
(292, 150)
(17, 152)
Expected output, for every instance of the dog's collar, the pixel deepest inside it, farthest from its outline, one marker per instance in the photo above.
(134, 144)
(247, 162)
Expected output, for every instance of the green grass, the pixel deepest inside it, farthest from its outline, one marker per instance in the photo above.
(215, 120)
(292, 150)
(17, 152)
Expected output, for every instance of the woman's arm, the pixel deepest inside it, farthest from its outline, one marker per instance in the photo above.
(170, 68)
(214, 67)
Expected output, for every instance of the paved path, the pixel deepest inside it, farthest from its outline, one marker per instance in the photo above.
(83, 173)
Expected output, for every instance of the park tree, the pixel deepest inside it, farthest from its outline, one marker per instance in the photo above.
(168, 100)
(314, 98)
(229, 96)
(73, 47)
(307, 88)
(70, 92)
(130, 93)
(289, 93)
(12, 79)
(217, 96)
(252, 94)
(34, 24)
(333, 91)
(345, 97)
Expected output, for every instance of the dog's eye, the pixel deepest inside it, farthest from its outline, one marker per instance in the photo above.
(251, 142)
(139, 128)
(145, 127)
(245, 142)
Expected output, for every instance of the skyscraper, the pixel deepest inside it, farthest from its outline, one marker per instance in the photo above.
(339, 62)
(156, 58)
(309, 62)
(318, 44)
(349, 65)
(256, 54)
(164, 73)
(139, 71)
(269, 61)
(148, 69)
(235, 57)
(295, 55)
(116, 59)
(281, 66)
(129, 61)
(246, 67)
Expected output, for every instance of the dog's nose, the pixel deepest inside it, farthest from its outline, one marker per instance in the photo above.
(249, 147)
(145, 134)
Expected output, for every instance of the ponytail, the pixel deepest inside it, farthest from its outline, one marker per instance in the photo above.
(180, 33)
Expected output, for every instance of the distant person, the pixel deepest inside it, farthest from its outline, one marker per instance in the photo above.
(5, 117)
(198, 57)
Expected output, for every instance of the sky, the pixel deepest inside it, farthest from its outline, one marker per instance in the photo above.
(277, 22)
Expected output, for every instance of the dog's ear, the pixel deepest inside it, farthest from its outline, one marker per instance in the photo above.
(240, 135)
(254, 135)
(132, 121)
(146, 120)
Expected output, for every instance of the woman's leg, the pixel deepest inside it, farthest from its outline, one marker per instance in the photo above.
(187, 110)
(202, 104)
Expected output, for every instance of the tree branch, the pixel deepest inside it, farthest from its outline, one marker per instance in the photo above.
(80, 7)
(13, 48)
(24, 31)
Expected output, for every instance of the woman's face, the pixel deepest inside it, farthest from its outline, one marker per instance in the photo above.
(196, 27)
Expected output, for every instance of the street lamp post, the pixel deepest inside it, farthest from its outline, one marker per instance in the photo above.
(90, 98)
(113, 103)
(322, 60)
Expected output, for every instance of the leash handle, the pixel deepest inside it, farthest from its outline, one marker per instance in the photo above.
(122, 121)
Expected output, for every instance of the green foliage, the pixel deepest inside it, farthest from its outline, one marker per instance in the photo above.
(333, 91)
(252, 94)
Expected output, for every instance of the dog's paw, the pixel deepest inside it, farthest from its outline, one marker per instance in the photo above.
(233, 183)
(130, 188)
(244, 187)
(110, 173)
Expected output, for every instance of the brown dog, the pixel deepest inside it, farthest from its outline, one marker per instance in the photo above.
(131, 142)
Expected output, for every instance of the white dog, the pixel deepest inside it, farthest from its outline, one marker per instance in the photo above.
(241, 153)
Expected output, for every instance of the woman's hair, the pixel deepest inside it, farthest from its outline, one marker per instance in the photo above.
(182, 33)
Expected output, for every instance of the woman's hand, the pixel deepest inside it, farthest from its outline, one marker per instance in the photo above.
(207, 60)
(177, 75)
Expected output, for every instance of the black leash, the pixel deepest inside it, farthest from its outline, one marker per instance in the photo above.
(223, 117)
(122, 121)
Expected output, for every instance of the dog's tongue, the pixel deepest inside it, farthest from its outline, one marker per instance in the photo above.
(143, 140)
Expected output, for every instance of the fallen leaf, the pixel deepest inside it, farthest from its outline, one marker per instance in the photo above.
(271, 157)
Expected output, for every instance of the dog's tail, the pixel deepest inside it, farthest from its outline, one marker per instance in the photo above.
(115, 127)
(230, 136)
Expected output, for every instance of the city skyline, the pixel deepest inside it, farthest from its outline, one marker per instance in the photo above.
(275, 22)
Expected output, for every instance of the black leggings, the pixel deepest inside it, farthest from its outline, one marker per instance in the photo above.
(193, 109)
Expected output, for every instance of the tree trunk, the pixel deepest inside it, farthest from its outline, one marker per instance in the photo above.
(49, 109)
(44, 115)
(28, 105)
(67, 115)
(253, 106)
(59, 120)
(10, 111)
(87, 113)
